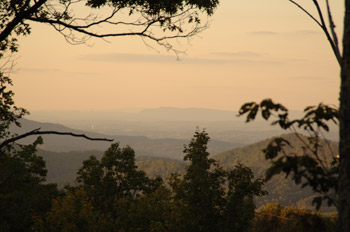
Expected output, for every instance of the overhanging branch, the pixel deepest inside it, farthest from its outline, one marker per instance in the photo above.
(25, 13)
(38, 132)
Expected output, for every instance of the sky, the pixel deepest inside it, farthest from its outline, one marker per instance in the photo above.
(253, 49)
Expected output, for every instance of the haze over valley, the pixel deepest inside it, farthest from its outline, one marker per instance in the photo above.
(158, 137)
(169, 122)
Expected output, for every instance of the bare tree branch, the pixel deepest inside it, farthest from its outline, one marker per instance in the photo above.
(38, 132)
(158, 27)
(332, 41)
(306, 12)
(144, 32)
(332, 27)
(325, 30)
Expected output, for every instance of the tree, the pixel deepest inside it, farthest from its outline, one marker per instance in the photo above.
(274, 217)
(114, 196)
(150, 212)
(315, 165)
(203, 188)
(209, 198)
(344, 112)
(158, 20)
(9, 113)
(239, 212)
(23, 194)
(343, 188)
(344, 128)
(114, 182)
(74, 213)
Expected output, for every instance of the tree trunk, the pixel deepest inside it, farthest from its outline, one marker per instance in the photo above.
(344, 132)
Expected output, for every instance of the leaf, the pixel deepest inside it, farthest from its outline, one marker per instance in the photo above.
(265, 114)
(275, 147)
(252, 114)
(246, 107)
(274, 169)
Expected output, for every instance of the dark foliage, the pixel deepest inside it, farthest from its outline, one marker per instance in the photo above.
(22, 192)
(309, 167)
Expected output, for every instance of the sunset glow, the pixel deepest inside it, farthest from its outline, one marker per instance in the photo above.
(253, 49)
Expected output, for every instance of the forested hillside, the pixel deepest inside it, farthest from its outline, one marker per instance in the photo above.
(62, 169)
(280, 189)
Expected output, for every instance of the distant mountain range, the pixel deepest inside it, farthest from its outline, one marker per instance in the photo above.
(186, 114)
(169, 122)
(156, 114)
(165, 147)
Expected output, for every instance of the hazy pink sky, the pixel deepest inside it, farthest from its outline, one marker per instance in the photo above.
(254, 49)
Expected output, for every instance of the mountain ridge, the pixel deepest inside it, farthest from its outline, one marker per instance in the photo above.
(164, 147)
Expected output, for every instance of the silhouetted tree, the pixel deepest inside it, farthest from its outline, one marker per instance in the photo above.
(343, 189)
(114, 196)
(158, 20)
(23, 194)
(209, 198)
(316, 166)
(74, 213)
(239, 210)
(203, 188)
(115, 181)
(344, 128)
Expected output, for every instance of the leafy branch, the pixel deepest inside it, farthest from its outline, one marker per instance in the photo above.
(159, 21)
(314, 166)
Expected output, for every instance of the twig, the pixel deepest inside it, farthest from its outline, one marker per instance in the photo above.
(332, 26)
(38, 132)
(305, 11)
(325, 30)
(332, 41)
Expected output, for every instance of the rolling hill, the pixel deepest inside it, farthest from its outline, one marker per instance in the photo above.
(144, 146)
(63, 166)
